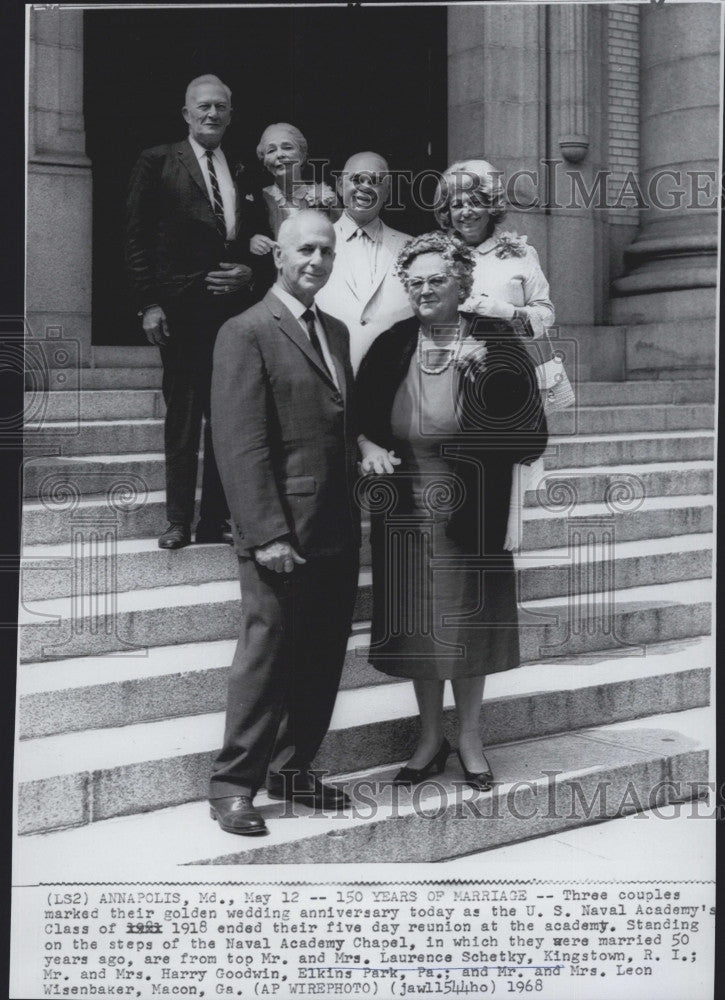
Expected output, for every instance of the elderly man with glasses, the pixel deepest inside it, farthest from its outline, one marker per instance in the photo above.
(363, 290)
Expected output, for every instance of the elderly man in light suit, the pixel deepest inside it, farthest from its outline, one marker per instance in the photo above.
(363, 291)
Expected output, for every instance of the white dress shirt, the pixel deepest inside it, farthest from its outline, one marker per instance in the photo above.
(297, 309)
(224, 179)
(363, 252)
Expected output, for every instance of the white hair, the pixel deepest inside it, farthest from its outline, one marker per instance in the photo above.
(199, 81)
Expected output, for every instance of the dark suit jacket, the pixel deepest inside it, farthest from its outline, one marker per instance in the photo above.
(172, 240)
(285, 438)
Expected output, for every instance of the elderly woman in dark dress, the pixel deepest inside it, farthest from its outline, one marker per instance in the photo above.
(448, 404)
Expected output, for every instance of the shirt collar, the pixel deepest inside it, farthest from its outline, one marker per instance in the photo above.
(487, 246)
(294, 305)
(348, 228)
(200, 150)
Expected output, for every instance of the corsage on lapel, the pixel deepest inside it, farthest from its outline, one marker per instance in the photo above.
(510, 245)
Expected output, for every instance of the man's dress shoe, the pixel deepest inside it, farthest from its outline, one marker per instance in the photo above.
(307, 790)
(212, 532)
(176, 536)
(236, 814)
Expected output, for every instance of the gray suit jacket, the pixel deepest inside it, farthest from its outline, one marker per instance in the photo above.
(285, 437)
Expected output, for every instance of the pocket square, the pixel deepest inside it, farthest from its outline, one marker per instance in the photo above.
(249, 197)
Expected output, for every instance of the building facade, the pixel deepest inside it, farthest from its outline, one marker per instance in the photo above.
(605, 119)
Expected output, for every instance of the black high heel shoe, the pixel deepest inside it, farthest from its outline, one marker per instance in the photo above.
(414, 775)
(482, 782)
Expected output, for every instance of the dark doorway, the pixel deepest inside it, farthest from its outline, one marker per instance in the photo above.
(350, 78)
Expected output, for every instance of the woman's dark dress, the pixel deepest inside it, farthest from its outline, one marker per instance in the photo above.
(444, 589)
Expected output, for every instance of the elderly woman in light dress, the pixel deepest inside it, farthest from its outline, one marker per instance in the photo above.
(508, 282)
(282, 149)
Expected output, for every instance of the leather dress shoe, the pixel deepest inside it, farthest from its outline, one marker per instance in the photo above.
(307, 790)
(236, 814)
(176, 536)
(212, 532)
(436, 765)
(481, 781)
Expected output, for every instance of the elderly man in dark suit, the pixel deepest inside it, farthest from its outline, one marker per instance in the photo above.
(287, 450)
(187, 256)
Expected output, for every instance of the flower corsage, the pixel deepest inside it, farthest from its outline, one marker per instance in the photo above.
(510, 245)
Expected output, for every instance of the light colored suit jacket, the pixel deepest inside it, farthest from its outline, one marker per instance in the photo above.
(385, 305)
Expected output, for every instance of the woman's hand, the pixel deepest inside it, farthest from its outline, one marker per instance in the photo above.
(260, 245)
(484, 305)
(470, 350)
(376, 460)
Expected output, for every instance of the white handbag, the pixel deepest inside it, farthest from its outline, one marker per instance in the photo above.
(556, 390)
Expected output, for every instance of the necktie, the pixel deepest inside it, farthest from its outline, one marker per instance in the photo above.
(362, 262)
(309, 317)
(217, 203)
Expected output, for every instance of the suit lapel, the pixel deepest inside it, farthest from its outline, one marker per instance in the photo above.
(187, 157)
(335, 345)
(292, 329)
(385, 262)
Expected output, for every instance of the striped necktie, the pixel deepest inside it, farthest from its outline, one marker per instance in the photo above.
(217, 203)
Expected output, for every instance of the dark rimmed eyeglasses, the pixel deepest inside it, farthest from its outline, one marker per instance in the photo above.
(369, 180)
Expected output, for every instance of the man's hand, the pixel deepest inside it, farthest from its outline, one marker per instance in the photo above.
(260, 244)
(230, 278)
(155, 326)
(279, 556)
(377, 460)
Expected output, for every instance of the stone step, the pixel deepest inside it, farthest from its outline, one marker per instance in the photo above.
(87, 437)
(97, 621)
(428, 825)
(583, 451)
(108, 438)
(640, 393)
(623, 847)
(84, 777)
(615, 419)
(126, 356)
(92, 405)
(138, 511)
(46, 570)
(93, 474)
(119, 402)
(75, 693)
(118, 378)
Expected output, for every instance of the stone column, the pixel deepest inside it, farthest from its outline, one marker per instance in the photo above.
(524, 91)
(671, 268)
(59, 183)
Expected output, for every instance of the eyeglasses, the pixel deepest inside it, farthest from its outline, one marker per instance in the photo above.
(368, 180)
(435, 281)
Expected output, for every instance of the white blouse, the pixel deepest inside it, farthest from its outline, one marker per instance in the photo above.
(507, 268)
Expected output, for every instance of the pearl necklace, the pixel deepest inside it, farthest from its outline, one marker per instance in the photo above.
(451, 351)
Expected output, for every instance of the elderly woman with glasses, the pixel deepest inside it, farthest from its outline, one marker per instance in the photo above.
(508, 282)
(448, 403)
(283, 150)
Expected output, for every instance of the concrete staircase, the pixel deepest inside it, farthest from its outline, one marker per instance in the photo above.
(121, 691)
